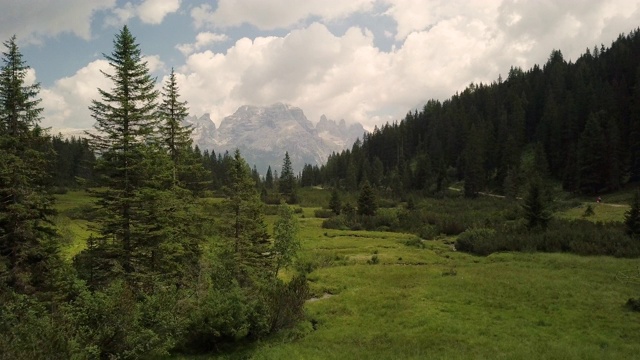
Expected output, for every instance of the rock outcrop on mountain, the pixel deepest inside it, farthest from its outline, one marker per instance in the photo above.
(264, 133)
(204, 131)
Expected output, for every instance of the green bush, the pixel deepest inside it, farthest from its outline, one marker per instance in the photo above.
(476, 241)
(416, 242)
(576, 236)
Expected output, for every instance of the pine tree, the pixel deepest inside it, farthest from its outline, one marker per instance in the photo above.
(246, 231)
(536, 212)
(367, 201)
(187, 170)
(131, 163)
(268, 179)
(287, 184)
(28, 247)
(632, 217)
(335, 204)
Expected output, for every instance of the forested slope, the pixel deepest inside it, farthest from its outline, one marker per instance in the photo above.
(575, 122)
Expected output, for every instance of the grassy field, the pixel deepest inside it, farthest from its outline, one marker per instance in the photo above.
(381, 295)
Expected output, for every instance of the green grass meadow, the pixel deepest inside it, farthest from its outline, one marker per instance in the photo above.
(383, 295)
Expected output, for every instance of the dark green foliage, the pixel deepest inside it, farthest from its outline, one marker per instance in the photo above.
(578, 236)
(633, 304)
(244, 229)
(632, 217)
(335, 203)
(367, 200)
(186, 169)
(287, 183)
(536, 212)
(588, 211)
(579, 118)
(268, 179)
(287, 302)
(28, 241)
(72, 164)
(472, 240)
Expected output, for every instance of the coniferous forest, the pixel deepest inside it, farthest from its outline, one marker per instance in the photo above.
(188, 251)
(575, 122)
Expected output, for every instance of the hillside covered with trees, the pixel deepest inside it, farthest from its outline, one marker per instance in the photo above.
(576, 122)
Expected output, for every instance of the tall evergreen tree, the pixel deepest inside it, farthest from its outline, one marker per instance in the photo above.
(246, 231)
(268, 179)
(130, 163)
(536, 212)
(28, 247)
(335, 204)
(367, 200)
(287, 184)
(187, 170)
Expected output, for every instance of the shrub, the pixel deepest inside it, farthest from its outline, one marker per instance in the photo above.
(476, 241)
(415, 241)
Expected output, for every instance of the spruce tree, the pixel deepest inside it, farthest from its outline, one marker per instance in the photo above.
(335, 204)
(246, 231)
(268, 179)
(28, 241)
(536, 212)
(367, 202)
(130, 165)
(287, 184)
(187, 169)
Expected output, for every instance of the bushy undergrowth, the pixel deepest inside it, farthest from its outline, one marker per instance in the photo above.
(118, 322)
(429, 219)
(575, 236)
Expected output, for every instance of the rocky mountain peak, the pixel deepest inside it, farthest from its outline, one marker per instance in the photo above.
(264, 133)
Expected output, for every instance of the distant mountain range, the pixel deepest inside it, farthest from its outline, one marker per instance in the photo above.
(264, 133)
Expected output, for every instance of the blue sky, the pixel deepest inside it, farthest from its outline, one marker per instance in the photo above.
(360, 60)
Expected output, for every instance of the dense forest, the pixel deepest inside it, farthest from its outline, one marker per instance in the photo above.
(577, 123)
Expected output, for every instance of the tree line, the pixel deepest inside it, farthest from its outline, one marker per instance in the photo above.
(164, 268)
(577, 123)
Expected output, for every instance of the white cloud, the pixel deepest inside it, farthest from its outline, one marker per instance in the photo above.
(274, 14)
(66, 102)
(149, 11)
(440, 47)
(154, 11)
(203, 40)
(34, 20)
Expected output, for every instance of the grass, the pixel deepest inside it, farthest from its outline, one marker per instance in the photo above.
(433, 302)
(602, 212)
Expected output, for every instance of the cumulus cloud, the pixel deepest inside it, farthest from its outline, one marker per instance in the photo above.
(149, 11)
(203, 40)
(32, 22)
(440, 46)
(274, 14)
(66, 103)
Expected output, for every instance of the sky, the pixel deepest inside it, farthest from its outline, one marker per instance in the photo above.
(369, 61)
